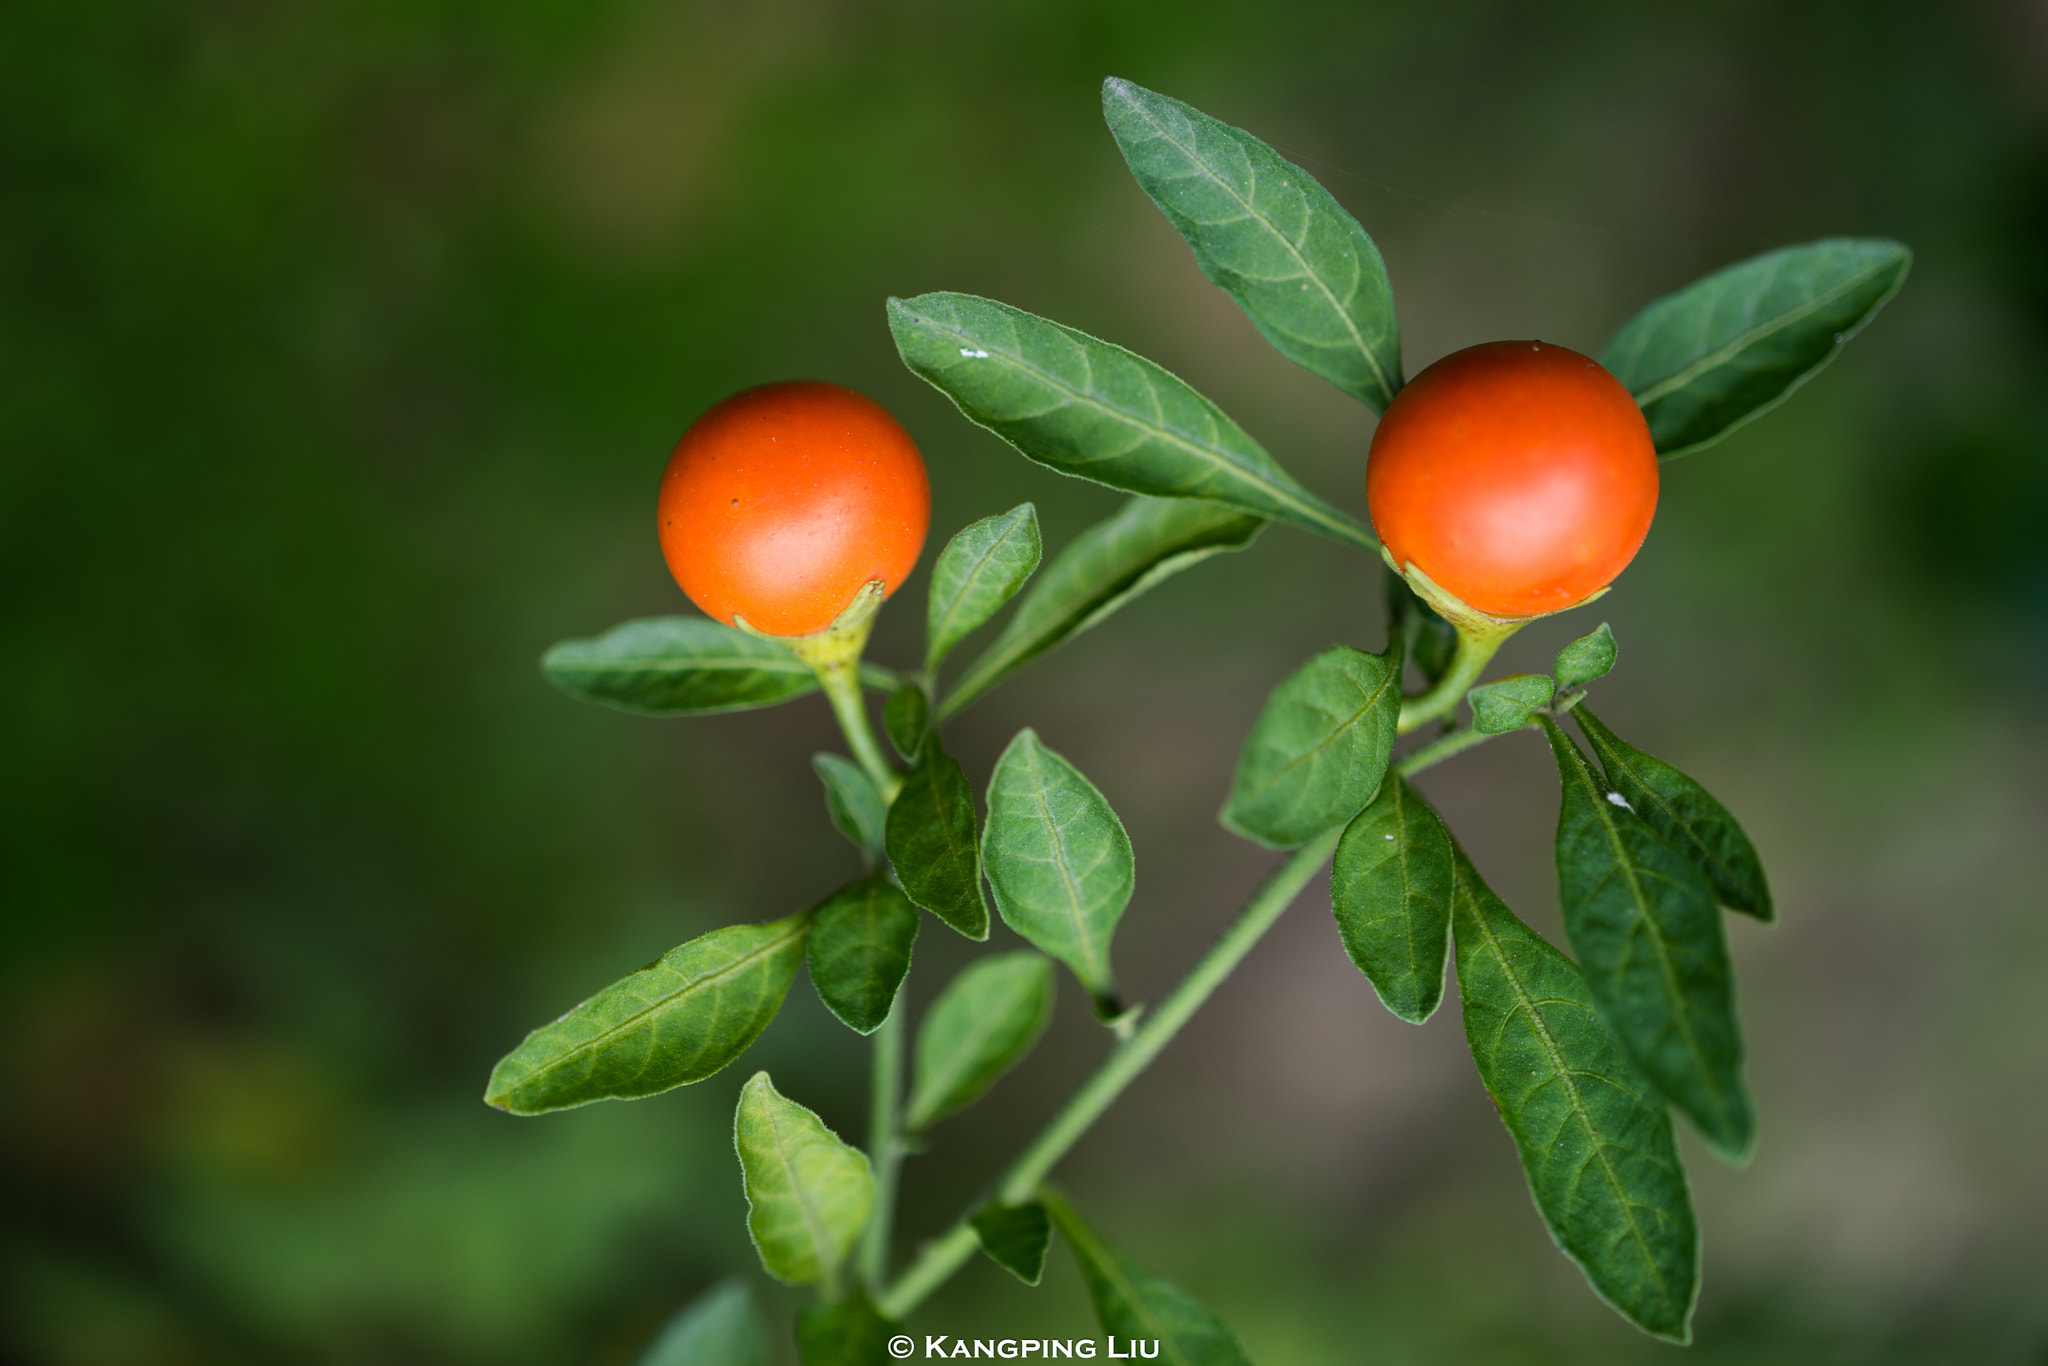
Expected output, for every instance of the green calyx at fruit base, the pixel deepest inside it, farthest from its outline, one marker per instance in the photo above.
(834, 656)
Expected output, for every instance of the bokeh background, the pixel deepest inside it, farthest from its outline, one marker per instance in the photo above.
(340, 349)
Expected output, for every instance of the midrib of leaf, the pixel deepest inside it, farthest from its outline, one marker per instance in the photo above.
(1681, 378)
(1527, 1005)
(813, 1221)
(1401, 853)
(1327, 741)
(1613, 756)
(1059, 862)
(931, 771)
(1251, 211)
(953, 606)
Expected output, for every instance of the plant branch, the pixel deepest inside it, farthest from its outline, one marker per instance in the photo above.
(885, 1142)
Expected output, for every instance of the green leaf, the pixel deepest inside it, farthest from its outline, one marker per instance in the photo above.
(981, 1026)
(1730, 347)
(1015, 1237)
(1132, 1303)
(808, 1194)
(848, 1332)
(1390, 886)
(1058, 859)
(906, 717)
(1594, 1139)
(933, 845)
(1688, 818)
(674, 1021)
(718, 1328)
(1318, 751)
(1508, 704)
(979, 570)
(857, 810)
(1301, 268)
(860, 950)
(1653, 951)
(1148, 541)
(1094, 410)
(683, 666)
(1585, 659)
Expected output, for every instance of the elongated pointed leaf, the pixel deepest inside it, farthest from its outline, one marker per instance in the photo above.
(979, 570)
(1390, 886)
(675, 1021)
(1134, 1306)
(907, 716)
(848, 1332)
(933, 843)
(1586, 659)
(1058, 859)
(1654, 952)
(808, 1194)
(1015, 1237)
(857, 810)
(1318, 751)
(1687, 817)
(860, 949)
(1508, 704)
(981, 1026)
(683, 666)
(1091, 409)
(1264, 230)
(1146, 542)
(1594, 1138)
(719, 1328)
(1730, 347)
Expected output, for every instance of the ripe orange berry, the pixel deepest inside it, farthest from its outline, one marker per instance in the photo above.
(1520, 476)
(783, 502)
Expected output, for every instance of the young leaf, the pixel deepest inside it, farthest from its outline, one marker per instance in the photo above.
(1058, 859)
(1653, 951)
(1132, 1303)
(1015, 1237)
(1147, 541)
(675, 1021)
(982, 1024)
(857, 810)
(1594, 1139)
(718, 1328)
(906, 717)
(848, 1332)
(808, 1194)
(979, 570)
(1688, 818)
(1508, 704)
(1390, 886)
(1094, 410)
(1730, 347)
(1317, 752)
(677, 666)
(1585, 659)
(860, 950)
(1299, 266)
(932, 842)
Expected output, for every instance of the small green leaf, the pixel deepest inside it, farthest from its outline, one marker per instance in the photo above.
(860, 950)
(1688, 818)
(1730, 347)
(981, 1026)
(906, 717)
(683, 666)
(857, 810)
(1594, 1139)
(1299, 266)
(1585, 659)
(808, 1194)
(979, 570)
(1133, 1305)
(1058, 859)
(1653, 951)
(675, 1021)
(1015, 1237)
(1148, 541)
(1508, 704)
(718, 1328)
(933, 843)
(848, 1332)
(1096, 411)
(1317, 752)
(1390, 886)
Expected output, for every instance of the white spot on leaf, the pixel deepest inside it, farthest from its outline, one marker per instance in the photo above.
(1620, 801)
(970, 351)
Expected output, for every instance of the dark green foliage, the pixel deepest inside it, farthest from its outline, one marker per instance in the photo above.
(906, 717)
(847, 1332)
(1132, 1303)
(933, 843)
(1585, 659)
(861, 938)
(1508, 704)
(1015, 1237)
(857, 810)
(1317, 752)
(1390, 886)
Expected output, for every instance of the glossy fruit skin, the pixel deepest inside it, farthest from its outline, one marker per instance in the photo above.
(1520, 476)
(782, 502)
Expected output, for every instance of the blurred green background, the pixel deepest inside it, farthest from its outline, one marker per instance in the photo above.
(341, 346)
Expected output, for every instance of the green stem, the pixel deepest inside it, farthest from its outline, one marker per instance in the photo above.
(842, 690)
(885, 1142)
(1475, 651)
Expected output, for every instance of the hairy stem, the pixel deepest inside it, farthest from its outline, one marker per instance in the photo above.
(885, 1143)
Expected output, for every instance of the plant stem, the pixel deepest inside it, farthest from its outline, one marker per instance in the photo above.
(842, 690)
(1475, 651)
(885, 1142)
(941, 1258)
